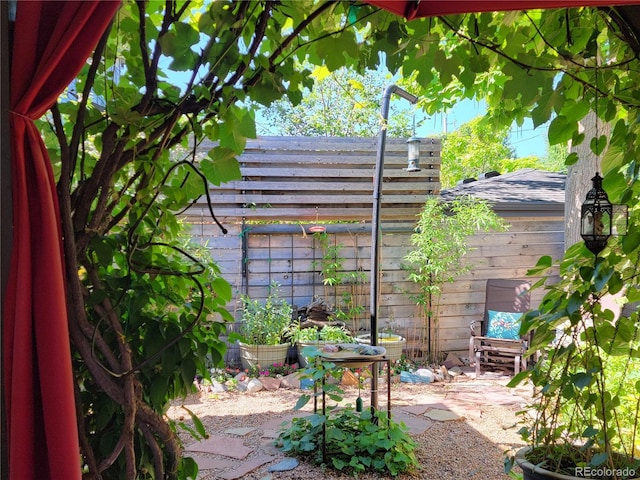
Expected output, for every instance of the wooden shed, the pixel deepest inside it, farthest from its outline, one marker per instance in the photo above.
(532, 203)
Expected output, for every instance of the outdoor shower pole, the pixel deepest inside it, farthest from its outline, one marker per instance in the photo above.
(375, 225)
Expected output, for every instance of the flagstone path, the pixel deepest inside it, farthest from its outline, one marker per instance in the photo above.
(226, 457)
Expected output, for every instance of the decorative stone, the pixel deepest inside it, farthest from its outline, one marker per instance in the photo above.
(425, 373)
(217, 387)
(254, 385)
(241, 377)
(453, 360)
(291, 381)
(285, 465)
(270, 383)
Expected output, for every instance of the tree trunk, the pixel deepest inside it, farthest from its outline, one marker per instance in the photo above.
(579, 177)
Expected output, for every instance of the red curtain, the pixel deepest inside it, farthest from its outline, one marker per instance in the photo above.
(52, 40)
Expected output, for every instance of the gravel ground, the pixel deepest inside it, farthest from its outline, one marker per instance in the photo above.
(472, 447)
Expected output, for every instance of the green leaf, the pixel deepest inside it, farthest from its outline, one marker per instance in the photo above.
(177, 44)
(599, 459)
(598, 144)
(571, 159)
(222, 166)
(582, 380)
(199, 426)
(561, 130)
(302, 401)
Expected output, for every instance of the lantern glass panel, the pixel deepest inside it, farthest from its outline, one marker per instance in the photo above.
(413, 147)
(620, 219)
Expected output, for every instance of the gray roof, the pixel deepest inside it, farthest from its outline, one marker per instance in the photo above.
(524, 189)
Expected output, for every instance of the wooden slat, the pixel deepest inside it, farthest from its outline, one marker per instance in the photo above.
(333, 176)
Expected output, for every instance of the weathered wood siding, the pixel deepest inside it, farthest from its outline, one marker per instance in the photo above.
(303, 180)
(495, 255)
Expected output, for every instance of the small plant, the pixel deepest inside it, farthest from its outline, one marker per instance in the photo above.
(265, 324)
(354, 442)
(328, 333)
(403, 365)
(439, 244)
(351, 284)
(275, 370)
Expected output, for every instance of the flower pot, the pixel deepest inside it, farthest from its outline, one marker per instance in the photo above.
(263, 355)
(393, 344)
(535, 472)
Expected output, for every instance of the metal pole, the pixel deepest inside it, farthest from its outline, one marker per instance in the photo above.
(375, 225)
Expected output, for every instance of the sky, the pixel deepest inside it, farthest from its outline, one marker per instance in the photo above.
(526, 140)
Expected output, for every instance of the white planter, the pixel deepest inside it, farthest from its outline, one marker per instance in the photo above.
(393, 344)
(262, 355)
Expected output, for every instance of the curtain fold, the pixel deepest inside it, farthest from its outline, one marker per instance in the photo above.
(52, 40)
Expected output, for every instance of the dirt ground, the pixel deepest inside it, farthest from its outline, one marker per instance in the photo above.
(473, 446)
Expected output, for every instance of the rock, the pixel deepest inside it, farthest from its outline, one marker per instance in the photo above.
(291, 381)
(409, 377)
(217, 387)
(241, 377)
(254, 385)
(285, 465)
(453, 360)
(455, 371)
(426, 374)
(270, 383)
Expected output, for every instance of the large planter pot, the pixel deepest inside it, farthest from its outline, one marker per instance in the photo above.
(263, 355)
(535, 472)
(393, 344)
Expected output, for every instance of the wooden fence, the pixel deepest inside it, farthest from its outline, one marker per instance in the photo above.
(298, 182)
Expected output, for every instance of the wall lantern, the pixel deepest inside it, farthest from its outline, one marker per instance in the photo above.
(599, 219)
(413, 154)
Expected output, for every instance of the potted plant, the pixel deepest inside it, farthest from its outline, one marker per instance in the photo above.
(263, 329)
(317, 337)
(583, 420)
(393, 343)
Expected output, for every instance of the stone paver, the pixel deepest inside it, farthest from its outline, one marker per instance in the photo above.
(240, 432)
(221, 445)
(206, 463)
(443, 415)
(415, 425)
(272, 429)
(246, 467)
